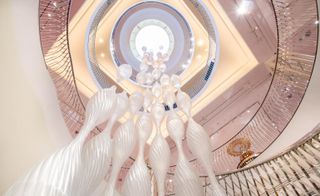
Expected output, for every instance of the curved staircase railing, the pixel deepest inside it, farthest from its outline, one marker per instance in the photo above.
(293, 172)
(53, 24)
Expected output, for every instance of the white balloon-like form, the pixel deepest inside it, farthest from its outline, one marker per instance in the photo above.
(186, 182)
(175, 81)
(199, 142)
(149, 79)
(124, 71)
(60, 174)
(165, 80)
(148, 100)
(156, 74)
(200, 145)
(138, 179)
(124, 142)
(136, 102)
(184, 103)
(141, 78)
(97, 152)
(157, 90)
(159, 153)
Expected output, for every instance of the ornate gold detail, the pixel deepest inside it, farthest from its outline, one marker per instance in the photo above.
(238, 147)
(241, 148)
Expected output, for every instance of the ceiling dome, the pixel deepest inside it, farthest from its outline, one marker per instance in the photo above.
(155, 27)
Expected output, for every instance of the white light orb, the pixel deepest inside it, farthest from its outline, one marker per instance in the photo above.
(156, 74)
(165, 80)
(157, 90)
(175, 81)
(124, 71)
(144, 67)
(141, 78)
(149, 79)
(163, 67)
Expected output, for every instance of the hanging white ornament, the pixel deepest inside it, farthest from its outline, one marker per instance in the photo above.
(123, 145)
(168, 96)
(148, 100)
(175, 81)
(67, 162)
(198, 141)
(141, 78)
(124, 71)
(184, 102)
(156, 74)
(157, 90)
(149, 79)
(138, 179)
(159, 153)
(186, 182)
(162, 67)
(136, 101)
(165, 80)
(199, 144)
(143, 67)
(99, 150)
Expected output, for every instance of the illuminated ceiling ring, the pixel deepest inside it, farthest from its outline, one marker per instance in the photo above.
(153, 25)
(195, 86)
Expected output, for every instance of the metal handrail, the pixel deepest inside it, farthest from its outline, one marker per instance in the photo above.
(305, 139)
(299, 164)
(54, 19)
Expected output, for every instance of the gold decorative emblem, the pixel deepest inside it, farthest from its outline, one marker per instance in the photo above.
(241, 148)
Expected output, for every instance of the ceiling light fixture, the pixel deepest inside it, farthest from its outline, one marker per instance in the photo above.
(245, 7)
(200, 42)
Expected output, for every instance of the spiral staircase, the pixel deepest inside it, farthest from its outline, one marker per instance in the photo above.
(296, 171)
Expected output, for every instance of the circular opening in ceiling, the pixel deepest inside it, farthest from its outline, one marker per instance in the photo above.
(151, 35)
(160, 28)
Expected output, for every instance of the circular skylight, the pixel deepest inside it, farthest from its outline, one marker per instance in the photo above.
(153, 35)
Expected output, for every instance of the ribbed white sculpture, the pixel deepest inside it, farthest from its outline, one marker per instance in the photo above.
(159, 153)
(124, 142)
(186, 182)
(79, 168)
(60, 174)
(199, 142)
(138, 180)
(98, 151)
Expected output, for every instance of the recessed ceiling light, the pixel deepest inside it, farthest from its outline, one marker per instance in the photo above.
(200, 42)
(102, 54)
(316, 22)
(100, 40)
(184, 66)
(245, 7)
